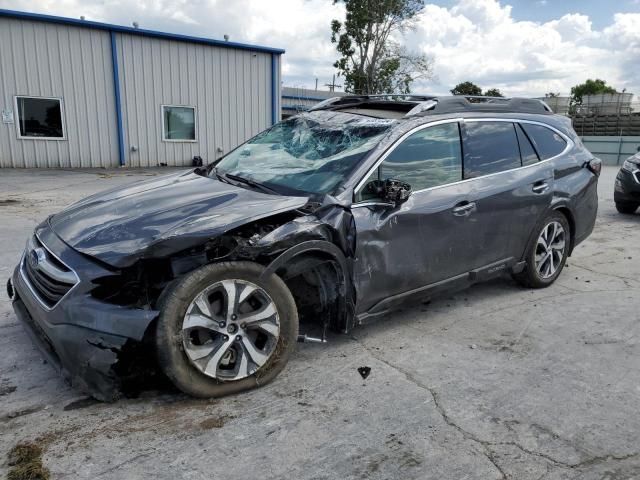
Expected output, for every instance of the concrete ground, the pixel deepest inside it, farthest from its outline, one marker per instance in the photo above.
(495, 382)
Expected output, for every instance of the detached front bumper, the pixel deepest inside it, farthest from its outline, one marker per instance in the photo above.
(88, 341)
(627, 187)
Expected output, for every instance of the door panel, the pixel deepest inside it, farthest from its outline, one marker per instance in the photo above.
(507, 209)
(418, 243)
(509, 199)
(404, 247)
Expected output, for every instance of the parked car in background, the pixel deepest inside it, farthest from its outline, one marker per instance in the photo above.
(336, 216)
(627, 188)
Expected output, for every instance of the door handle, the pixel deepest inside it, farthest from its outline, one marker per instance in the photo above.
(463, 209)
(540, 187)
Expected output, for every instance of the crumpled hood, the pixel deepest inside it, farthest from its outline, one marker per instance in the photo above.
(161, 216)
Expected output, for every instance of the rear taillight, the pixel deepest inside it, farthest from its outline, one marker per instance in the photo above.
(595, 166)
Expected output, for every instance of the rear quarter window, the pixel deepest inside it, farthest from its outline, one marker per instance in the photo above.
(546, 142)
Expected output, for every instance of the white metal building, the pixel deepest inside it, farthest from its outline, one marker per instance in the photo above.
(296, 100)
(76, 93)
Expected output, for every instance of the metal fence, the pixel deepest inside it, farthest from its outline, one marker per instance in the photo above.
(607, 125)
(612, 150)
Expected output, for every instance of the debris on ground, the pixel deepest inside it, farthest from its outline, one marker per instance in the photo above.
(7, 389)
(364, 372)
(215, 422)
(25, 460)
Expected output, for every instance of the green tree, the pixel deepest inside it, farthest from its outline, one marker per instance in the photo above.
(551, 95)
(466, 88)
(493, 92)
(371, 62)
(590, 87)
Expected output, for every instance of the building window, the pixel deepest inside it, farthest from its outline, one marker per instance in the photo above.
(40, 118)
(178, 123)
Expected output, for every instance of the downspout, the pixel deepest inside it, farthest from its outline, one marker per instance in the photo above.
(275, 90)
(116, 88)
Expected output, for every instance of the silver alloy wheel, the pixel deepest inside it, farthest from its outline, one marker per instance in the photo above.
(230, 329)
(550, 250)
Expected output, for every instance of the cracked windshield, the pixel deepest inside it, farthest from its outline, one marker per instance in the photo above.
(310, 153)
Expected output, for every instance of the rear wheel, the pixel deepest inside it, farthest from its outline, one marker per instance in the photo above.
(626, 208)
(223, 329)
(546, 256)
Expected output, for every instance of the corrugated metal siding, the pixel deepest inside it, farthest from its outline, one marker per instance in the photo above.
(42, 59)
(231, 90)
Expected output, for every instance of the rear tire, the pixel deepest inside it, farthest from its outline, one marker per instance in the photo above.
(626, 208)
(223, 329)
(547, 254)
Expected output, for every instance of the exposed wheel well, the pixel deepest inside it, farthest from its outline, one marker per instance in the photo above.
(317, 284)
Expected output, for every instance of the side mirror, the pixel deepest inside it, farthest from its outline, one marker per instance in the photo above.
(390, 190)
(395, 191)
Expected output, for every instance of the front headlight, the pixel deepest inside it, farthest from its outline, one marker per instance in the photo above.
(630, 166)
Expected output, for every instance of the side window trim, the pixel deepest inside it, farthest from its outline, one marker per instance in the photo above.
(533, 143)
(518, 128)
(530, 141)
(461, 122)
(569, 143)
(465, 139)
(388, 152)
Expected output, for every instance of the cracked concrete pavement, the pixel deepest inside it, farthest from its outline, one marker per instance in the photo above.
(494, 382)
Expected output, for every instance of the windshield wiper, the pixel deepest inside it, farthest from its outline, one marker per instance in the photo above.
(251, 183)
(220, 177)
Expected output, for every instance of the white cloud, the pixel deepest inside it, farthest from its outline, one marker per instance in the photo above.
(476, 40)
(479, 41)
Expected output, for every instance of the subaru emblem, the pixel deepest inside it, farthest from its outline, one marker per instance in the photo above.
(36, 257)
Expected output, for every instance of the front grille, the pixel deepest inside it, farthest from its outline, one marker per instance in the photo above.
(48, 277)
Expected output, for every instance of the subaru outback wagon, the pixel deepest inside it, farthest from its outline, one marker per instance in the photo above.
(335, 216)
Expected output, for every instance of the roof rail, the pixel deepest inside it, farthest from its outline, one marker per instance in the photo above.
(473, 103)
(435, 105)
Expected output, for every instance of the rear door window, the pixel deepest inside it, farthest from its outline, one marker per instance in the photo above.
(490, 147)
(528, 154)
(546, 142)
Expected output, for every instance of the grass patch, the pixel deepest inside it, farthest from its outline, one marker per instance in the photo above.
(25, 460)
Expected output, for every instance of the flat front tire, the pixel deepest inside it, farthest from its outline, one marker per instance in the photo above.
(547, 254)
(224, 329)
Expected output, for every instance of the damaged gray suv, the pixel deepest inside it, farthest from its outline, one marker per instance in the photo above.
(332, 217)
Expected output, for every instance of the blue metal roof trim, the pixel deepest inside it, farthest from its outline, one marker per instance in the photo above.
(118, 102)
(274, 91)
(39, 17)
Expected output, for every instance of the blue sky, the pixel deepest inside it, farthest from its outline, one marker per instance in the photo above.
(522, 47)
